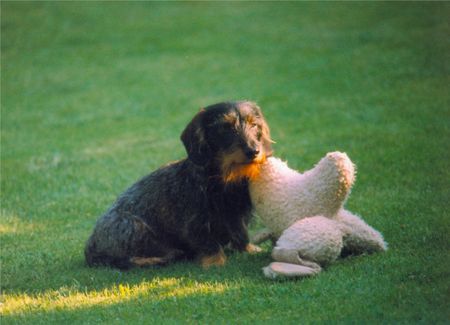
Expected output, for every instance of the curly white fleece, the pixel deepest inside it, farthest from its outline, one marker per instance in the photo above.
(282, 196)
(305, 212)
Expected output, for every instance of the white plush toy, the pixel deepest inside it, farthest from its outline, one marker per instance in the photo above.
(305, 213)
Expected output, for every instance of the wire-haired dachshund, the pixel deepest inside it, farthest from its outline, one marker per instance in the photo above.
(193, 208)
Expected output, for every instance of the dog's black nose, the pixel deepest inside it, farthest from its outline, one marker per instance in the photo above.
(251, 153)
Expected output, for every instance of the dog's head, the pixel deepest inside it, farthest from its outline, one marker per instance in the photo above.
(233, 136)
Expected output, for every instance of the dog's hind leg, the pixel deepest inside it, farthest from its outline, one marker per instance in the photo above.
(170, 257)
(122, 240)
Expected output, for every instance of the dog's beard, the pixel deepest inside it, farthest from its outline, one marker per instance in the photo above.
(233, 171)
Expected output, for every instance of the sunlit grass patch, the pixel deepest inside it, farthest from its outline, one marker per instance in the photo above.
(13, 225)
(71, 298)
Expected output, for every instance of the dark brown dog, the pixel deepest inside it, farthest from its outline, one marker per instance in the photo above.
(194, 207)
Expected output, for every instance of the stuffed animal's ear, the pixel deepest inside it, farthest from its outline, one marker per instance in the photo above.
(193, 138)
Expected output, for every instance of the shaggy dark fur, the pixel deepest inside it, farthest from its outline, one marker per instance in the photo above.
(194, 207)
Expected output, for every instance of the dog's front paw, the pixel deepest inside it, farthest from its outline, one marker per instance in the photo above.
(252, 249)
(217, 259)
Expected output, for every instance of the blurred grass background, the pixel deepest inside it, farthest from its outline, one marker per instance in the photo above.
(95, 95)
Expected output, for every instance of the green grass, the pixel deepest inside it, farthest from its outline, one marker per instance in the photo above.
(95, 95)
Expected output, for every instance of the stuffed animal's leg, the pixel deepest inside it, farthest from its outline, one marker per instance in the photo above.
(304, 246)
(289, 264)
(277, 269)
(359, 237)
(317, 239)
(289, 255)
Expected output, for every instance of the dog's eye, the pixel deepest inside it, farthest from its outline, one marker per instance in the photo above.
(259, 135)
(224, 130)
(253, 125)
(225, 127)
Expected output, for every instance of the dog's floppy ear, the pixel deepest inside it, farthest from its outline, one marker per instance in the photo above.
(266, 140)
(193, 138)
(265, 134)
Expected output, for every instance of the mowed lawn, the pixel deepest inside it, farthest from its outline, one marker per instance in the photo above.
(95, 95)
